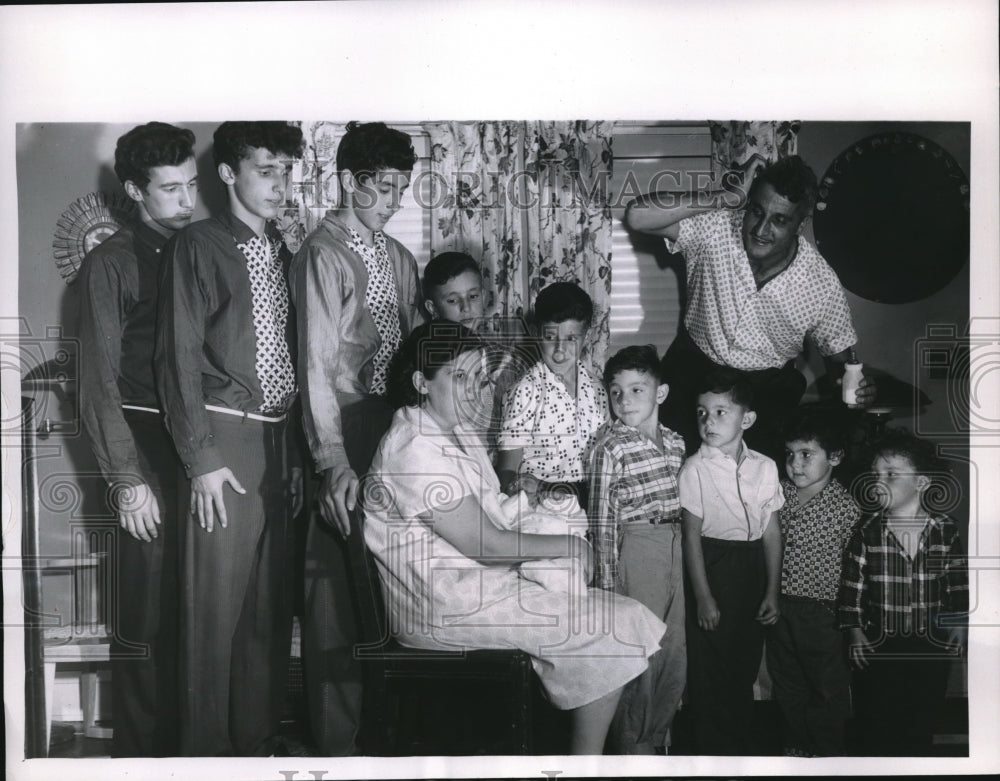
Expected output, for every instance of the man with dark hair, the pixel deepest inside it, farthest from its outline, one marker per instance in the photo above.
(225, 361)
(756, 289)
(118, 295)
(357, 296)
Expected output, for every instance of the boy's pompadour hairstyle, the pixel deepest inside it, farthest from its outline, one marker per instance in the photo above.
(821, 426)
(445, 267)
(370, 147)
(562, 301)
(150, 146)
(729, 381)
(635, 358)
(233, 141)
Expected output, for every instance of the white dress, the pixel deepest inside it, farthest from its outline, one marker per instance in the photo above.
(583, 644)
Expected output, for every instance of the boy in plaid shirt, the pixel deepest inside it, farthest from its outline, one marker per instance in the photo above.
(904, 599)
(635, 525)
(806, 654)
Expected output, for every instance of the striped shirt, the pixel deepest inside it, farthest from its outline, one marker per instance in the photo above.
(884, 590)
(815, 535)
(631, 481)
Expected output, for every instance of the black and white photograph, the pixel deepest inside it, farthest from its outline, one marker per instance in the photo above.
(645, 426)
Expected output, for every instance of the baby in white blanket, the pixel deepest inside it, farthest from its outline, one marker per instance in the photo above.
(550, 516)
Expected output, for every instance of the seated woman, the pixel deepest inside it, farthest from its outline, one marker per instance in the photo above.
(449, 573)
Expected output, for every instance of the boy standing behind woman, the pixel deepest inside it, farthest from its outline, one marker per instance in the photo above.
(356, 293)
(635, 515)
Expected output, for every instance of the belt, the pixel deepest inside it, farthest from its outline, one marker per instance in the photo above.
(137, 408)
(247, 415)
(661, 521)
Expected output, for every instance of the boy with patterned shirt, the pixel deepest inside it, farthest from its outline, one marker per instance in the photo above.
(805, 650)
(551, 416)
(356, 292)
(730, 496)
(635, 516)
(225, 370)
(904, 601)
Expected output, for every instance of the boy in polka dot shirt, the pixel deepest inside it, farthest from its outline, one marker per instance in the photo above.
(551, 416)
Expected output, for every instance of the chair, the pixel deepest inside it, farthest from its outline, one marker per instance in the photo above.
(395, 677)
(85, 642)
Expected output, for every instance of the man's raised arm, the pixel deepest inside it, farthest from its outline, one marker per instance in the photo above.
(660, 212)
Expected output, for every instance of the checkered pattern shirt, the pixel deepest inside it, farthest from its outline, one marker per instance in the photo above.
(737, 325)
(884, 590)
(631, 481)
(815, 535)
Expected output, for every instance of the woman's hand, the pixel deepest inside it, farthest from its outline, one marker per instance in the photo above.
(581, 549)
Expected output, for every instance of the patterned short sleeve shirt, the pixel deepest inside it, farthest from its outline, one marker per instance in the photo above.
(815, 535)
(555, 430)
(737, 325)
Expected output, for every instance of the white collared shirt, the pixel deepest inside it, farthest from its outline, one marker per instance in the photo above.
(734, 499)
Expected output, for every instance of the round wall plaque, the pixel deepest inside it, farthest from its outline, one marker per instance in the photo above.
(892, 218)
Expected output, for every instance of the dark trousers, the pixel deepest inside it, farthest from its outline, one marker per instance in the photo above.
(899, 696)
(723, 663)
(776, 392)
(807, 660)
(333, 677)
(145, 609)
(237, 615)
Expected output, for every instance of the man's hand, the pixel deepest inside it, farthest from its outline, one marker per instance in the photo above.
(297, 491)
(708, 614)
(768, 612)
(207, 500)
(736, 181)
(338, 496)
(867, 389)
(859, 647)
(138, 512)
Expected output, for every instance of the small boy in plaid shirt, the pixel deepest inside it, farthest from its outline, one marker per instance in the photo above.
(635, 524)
(806, 653)
(904, 600)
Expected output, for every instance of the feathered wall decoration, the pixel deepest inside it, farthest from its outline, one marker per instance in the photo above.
(87, 222)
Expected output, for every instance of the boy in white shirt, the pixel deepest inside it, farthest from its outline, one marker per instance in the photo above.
(730, 496)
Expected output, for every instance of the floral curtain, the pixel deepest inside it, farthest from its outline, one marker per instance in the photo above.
(313, 185)
(735, 142)
(568, 232)
(474, 181)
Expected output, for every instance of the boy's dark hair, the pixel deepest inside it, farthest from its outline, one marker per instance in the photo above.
(233, 141)
(919, 452)
(149, 146)
(445, 267)
(370, 147)
(729, 381)
(804, 425)
(791, 178)
(640, 359)
(562, 301)
(428, 348)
